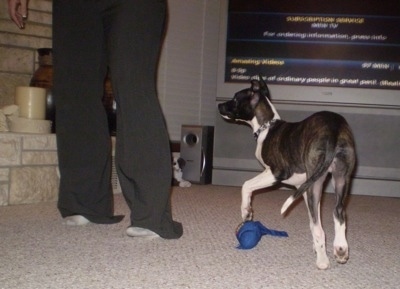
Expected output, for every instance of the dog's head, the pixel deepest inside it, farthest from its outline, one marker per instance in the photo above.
(178, 163)
(250, 105)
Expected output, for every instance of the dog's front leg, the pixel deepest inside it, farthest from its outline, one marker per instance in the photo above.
(263, 180)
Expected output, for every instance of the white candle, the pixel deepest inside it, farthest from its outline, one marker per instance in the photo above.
(31, 102)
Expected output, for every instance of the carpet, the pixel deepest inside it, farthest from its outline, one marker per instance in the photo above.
(37, 251)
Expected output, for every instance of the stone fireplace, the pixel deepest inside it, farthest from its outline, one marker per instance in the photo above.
(28, 168)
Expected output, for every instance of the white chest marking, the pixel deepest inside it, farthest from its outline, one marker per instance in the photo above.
(260, 141)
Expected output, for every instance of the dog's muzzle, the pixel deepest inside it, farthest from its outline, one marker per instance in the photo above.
(225, 111)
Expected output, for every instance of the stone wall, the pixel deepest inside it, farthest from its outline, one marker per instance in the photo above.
(18, 56)
(28, 163)
(28, 168)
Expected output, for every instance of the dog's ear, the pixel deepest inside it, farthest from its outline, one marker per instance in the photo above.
(261, 86)
(255, 85)
(264, 87)
(263, 113)
(262, 81)
(181, 162)
(255, 98)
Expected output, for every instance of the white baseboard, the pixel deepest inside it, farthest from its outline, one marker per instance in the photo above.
(360, 186)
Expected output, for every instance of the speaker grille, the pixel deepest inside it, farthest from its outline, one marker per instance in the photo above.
(197, 149)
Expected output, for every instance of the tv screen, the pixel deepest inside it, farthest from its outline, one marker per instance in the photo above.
(336, 43)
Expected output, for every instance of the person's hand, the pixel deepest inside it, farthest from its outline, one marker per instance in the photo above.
(18, 11)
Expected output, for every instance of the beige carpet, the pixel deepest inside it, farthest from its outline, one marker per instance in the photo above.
(37, 251)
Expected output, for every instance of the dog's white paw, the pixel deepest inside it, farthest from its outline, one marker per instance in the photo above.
(323, 262)
(340, 246)
(322, 258)
(341, 254)
(184, 184)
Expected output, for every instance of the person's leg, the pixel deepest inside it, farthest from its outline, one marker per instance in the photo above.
(143, 158)
(82, 132)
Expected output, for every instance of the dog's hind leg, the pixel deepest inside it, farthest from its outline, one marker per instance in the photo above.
(340, 246)
(263, 180)
(312, 199)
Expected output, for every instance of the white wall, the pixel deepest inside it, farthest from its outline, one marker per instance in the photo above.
(187, 80)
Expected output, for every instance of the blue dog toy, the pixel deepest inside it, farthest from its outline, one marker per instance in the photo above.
(249, 234)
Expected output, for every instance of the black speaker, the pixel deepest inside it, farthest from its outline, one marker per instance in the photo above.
(197, 150)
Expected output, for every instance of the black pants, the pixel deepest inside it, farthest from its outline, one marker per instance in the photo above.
(88, 36)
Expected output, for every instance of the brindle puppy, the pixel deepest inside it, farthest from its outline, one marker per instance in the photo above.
(300, 154)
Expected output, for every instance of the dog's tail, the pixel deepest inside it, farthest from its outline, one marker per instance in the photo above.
(318, 173)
